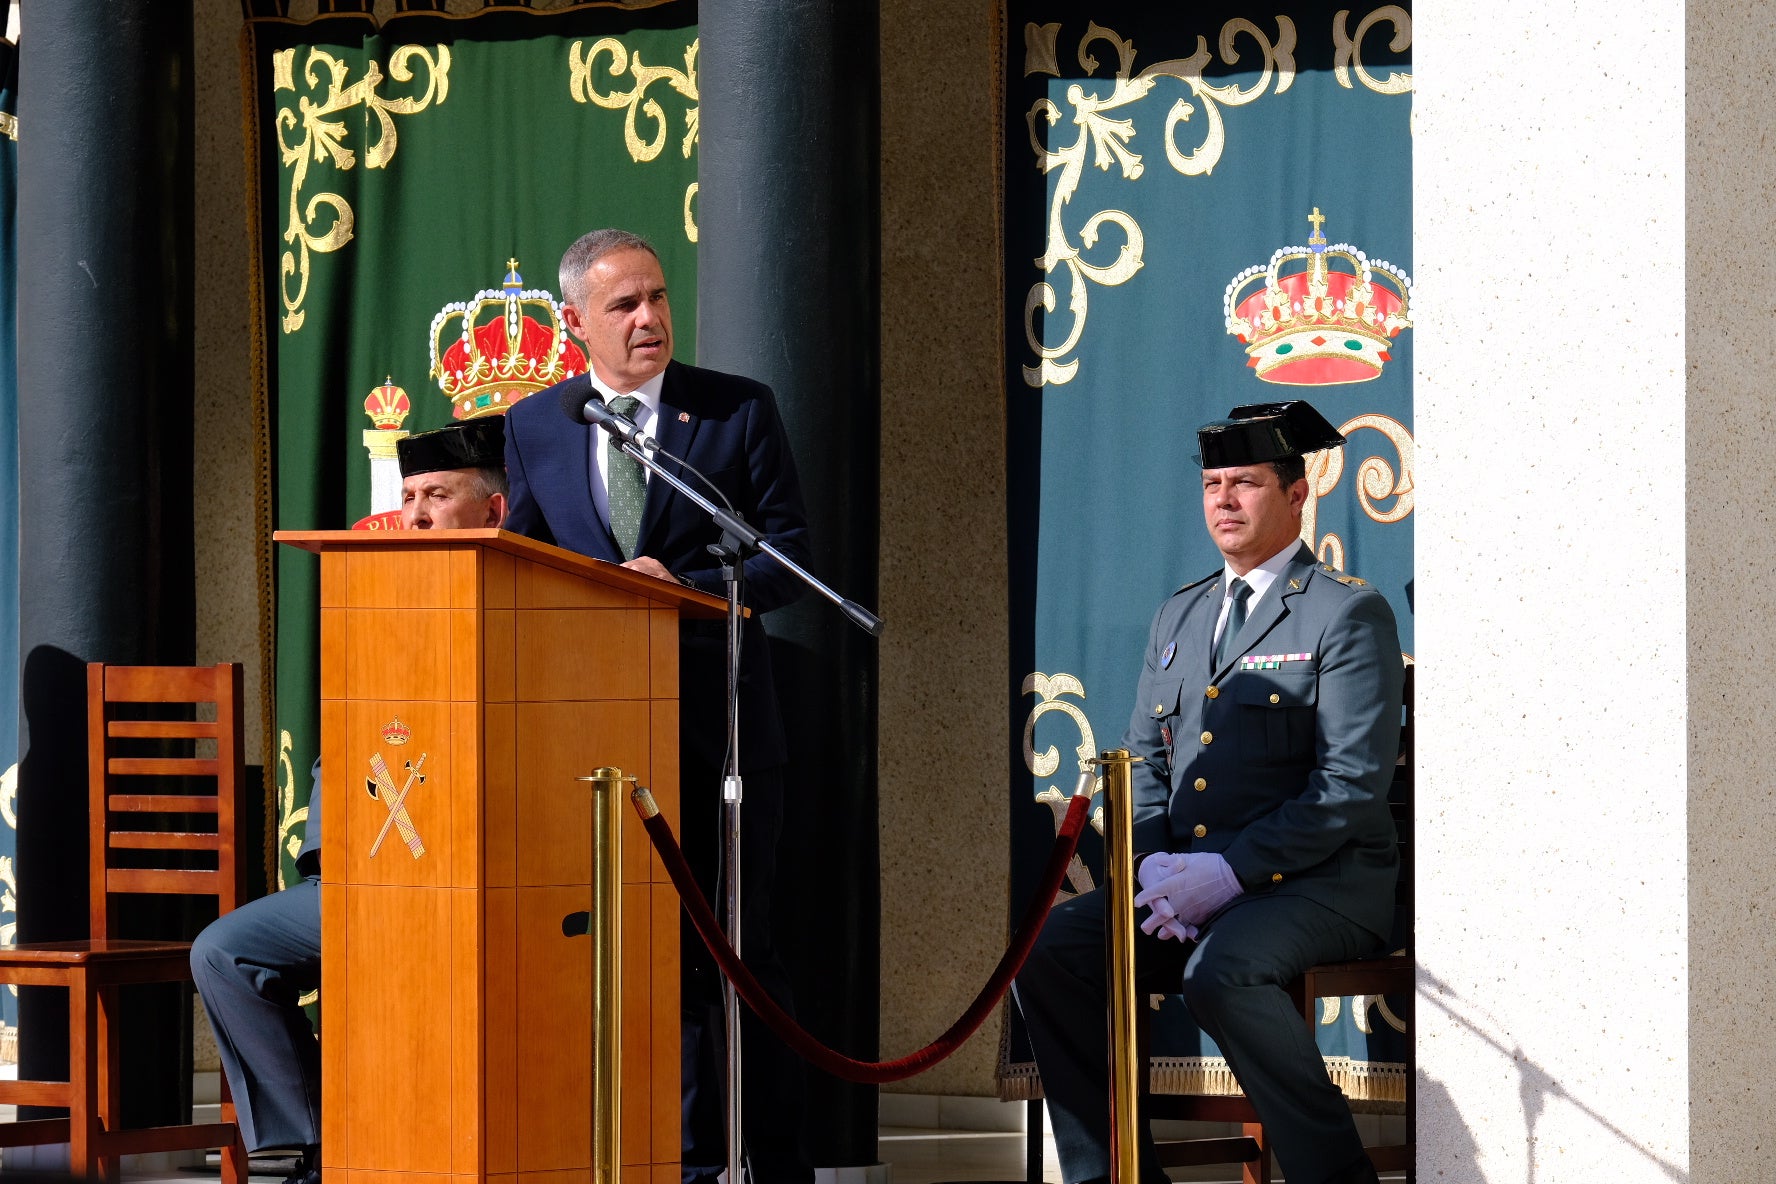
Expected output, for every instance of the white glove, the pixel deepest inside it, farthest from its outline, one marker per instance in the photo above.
(1184, 891)
(1154, 870)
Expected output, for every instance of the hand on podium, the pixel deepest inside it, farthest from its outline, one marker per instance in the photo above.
(647, 565)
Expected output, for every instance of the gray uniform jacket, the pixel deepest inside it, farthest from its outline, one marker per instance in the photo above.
(1281, 759)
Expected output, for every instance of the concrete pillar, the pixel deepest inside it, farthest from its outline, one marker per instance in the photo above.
(787, 265)
(104, 500)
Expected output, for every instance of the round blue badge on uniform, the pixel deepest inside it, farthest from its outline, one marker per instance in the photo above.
(1165, 659)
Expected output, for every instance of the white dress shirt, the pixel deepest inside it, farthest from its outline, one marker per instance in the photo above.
(1259, 579)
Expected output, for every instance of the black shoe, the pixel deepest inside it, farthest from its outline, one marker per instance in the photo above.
(308, 1168)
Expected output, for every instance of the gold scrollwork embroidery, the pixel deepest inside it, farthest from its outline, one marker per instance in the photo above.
(1331, 1007)
(8, 871)
(325, 136)
(1107, 141)
(9, 789)
(583, 88)
(289, 815)
(1376, 482)
(1047, 762)
(1349, 49)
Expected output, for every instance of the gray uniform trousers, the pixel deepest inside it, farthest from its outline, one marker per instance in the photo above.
(250, 967)
(1232, 979)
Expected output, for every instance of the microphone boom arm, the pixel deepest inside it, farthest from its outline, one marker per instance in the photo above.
(752, 540)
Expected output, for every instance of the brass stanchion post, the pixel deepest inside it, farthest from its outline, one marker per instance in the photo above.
(608, 793)
(1119, 932)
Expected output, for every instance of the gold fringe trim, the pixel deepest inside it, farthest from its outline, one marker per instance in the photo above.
(1373, 1087)
(1204, 1076)
(9, 1044)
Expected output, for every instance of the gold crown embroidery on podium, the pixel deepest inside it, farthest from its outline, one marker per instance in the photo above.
(1319, 324)
(395, 732)
(496, 362)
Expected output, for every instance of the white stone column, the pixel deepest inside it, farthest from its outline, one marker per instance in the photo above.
(1556, 688)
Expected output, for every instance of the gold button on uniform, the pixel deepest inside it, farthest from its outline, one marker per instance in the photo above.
(1158, 708)
(1213, 692)
(1208, 737)
(1201, 785)
(1276, 877)
(1200, 831)
(1276, 698)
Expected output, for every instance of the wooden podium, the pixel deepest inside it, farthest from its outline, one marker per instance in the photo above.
(468, 678)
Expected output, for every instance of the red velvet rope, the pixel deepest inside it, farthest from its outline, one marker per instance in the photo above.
(792, 1033)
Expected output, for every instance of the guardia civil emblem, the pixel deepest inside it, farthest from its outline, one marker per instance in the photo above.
(381, 786)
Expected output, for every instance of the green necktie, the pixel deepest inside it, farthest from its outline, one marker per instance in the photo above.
(1238, 590)
(625, 484)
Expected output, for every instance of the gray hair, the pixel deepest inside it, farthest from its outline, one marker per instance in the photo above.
(589, 249)
(491, 479)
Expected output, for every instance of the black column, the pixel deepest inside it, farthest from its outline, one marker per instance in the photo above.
(105, 483)
(787, 279)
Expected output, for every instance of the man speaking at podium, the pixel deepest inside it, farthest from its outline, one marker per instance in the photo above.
(250, 966)
(571, 487)
(1268, 719)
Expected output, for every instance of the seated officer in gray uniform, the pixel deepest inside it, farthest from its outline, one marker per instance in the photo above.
(251, 965)
(1268, 714)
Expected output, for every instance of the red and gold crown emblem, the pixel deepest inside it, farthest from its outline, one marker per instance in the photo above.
(387, 406)
(495, 363)
(1320, 324)
(396, 732)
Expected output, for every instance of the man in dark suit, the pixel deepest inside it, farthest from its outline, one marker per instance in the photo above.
(571, 487)
(1268, 717)
(251, 966)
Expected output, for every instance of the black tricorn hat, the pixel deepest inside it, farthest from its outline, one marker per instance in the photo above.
(472, 444)
(1261, 432)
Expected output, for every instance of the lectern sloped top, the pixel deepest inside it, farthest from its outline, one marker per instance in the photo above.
(689, 601)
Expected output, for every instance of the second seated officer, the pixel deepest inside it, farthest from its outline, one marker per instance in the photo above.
(1268, 714)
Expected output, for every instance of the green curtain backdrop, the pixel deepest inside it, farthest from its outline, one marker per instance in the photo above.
(409, 168)
(1159, 161)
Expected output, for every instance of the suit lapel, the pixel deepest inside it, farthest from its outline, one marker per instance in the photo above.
(1273, 608)
(577, 471)
(676, 429)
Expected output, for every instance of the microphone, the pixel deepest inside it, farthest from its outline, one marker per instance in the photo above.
(597, 412)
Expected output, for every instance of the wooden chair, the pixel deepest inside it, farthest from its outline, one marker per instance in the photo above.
(141, 840)
(1390, 975)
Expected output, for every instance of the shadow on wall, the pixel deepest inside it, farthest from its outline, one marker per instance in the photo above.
(1536, 1088)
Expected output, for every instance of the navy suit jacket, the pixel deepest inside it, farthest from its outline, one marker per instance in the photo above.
(1280, 759)
(726, 427)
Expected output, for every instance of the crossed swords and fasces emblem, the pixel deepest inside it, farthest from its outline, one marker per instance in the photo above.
(382, 787)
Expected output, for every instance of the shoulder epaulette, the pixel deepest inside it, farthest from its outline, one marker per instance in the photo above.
(1349, 581)
(1214, 575)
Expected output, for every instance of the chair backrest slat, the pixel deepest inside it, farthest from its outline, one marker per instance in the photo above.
(161, 729)
(165, 881)
(165, 840)
(150, 753)
(164, 803)
(162, 766)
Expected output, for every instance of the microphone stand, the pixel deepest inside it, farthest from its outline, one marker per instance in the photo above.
(737, 542)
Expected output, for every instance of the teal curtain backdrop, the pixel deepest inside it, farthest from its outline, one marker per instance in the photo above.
(9, 540)
(1156, 158)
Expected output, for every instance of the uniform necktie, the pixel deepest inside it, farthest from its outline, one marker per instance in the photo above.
(625, 484)
(1237, 591)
